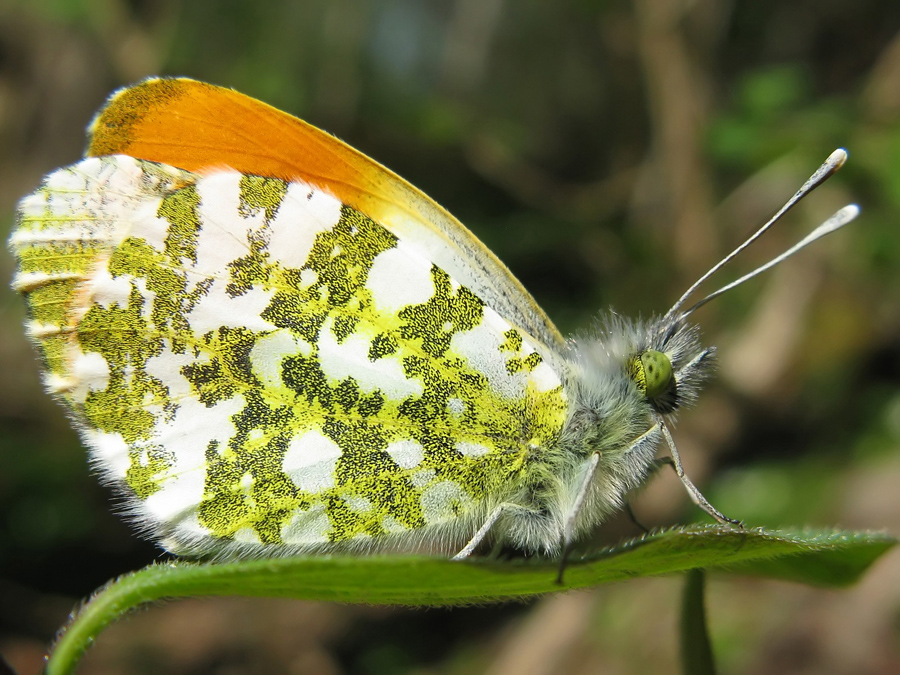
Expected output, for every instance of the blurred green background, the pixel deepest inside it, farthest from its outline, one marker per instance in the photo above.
(609, 152)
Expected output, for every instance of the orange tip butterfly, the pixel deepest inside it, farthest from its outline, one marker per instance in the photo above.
(273, 345)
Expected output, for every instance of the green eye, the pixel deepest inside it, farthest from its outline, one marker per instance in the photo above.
(651, 372)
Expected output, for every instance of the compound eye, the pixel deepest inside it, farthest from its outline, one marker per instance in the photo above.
(652, 373)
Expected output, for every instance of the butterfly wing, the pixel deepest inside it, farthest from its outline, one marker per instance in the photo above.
(196, 126)
(253, 361)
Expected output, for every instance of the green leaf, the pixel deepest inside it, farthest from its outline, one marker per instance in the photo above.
(817, 557)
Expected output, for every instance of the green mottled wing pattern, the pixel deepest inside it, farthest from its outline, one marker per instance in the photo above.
(260, 365)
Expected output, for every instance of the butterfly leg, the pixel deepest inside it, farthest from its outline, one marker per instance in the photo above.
(481, 534)
(486, 527)
(696, 496)
(646, 442)
(633, 518)
(569, 530)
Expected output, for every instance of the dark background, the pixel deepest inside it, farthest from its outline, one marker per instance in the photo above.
(608, 152)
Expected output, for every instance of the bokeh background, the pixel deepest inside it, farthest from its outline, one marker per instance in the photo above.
(608, 152)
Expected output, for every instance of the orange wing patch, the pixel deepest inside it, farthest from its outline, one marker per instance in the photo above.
(196, 126)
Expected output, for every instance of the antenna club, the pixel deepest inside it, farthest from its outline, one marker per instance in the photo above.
(851, 211)
(837, 221)
(837, 158)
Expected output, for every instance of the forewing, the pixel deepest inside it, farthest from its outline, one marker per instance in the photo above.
(197, 126)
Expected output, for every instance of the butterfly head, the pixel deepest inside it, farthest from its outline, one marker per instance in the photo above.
(649, 367)
(668, 364)
(654, 368)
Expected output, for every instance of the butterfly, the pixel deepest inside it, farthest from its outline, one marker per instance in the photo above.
(273, 345)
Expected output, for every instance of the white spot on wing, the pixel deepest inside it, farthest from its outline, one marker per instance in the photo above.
(472, 449)
(187, 531)
(310, 461)
(57, 384)
(24, 282)
(31, 208)
(270, 350)
(98, 199)
(358, 503)
(422, 477)
(69, 181)
(148, 226)
(544, 378)
(247, 535)
(456, 406)
(392, 526)
(304, 213)
(307, 527)
(350, 358)
(246, 481)
(480, 346)
(223, 235)
(166, 367)
(399, 277)
(91, 371)
(148, 297)
(438, 501)
(39, 331)
(217, 308)
(185, 437)
(106, 290)
(308, 277)
(109, 452)
(407, 454)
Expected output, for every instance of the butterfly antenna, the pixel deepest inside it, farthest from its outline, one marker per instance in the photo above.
(836, 222)
(834, 162)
